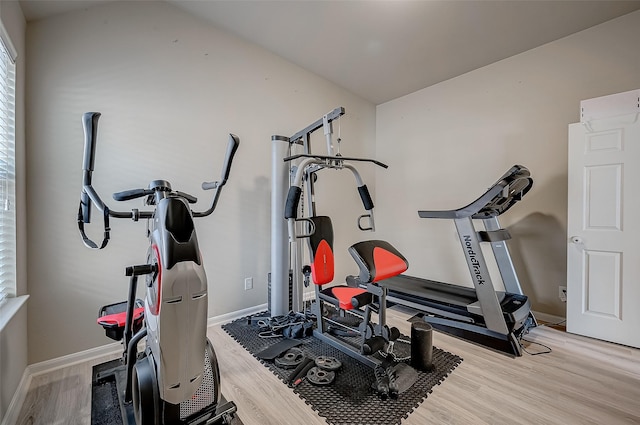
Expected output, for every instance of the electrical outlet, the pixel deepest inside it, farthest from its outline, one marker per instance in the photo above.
(248, 283)
(562, 293)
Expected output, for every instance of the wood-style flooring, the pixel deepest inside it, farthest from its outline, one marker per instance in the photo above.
(582, 381)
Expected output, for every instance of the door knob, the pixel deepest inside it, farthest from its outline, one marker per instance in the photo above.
(576, 239)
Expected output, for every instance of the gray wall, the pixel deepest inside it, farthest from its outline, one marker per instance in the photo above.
(13, 336)
(170, 89)
(171, 86)
(447, 143)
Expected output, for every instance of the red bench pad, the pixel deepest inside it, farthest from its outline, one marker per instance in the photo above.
(377, 260)
(344, 295)
(118, 320)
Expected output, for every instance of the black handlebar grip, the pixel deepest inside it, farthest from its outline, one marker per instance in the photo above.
(291, 206)
(366, 197)
(126, 195)
(232, 147)
(189, 198)
(361, 300)
(140, 270)
(90, 124)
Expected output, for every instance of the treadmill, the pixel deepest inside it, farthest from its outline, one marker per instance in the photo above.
(481, 314)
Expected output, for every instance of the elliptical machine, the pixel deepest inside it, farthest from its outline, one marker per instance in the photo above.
(175, 380)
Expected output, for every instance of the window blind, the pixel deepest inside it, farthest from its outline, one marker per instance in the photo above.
(7, 167)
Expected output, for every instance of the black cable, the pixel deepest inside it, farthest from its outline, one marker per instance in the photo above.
(525, 331)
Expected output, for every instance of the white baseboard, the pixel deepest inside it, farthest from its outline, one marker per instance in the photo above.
(230, 317)
(550, 318)
(74, 358)
(11, 415)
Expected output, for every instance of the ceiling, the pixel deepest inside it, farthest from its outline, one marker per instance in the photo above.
(384, 49)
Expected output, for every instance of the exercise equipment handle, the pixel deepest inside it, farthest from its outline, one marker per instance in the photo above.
(127, 195)
(141, 269)
(90, 126)
(90, 196)
(502, 195)
(293, 200)
(90, 123)
(232, 147)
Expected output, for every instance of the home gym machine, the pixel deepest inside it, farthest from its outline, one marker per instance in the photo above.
(377, 260)
(176, 379)
(482, 315)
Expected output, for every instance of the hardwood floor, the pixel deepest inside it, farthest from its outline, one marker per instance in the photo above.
(582, 381)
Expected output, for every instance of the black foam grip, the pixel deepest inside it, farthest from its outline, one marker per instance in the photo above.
(232, 147)
(90, 124)
(366, 197)
(361, 299)
(293, 198)
(140, 269)
(126, 195)
(85, 207)
(373, 345)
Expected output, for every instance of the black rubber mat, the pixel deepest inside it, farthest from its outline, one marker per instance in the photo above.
(351, 398)
(105, 407)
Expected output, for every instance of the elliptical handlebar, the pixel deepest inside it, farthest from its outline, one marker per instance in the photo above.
(232, 147)
(89, 195)
(127, 195)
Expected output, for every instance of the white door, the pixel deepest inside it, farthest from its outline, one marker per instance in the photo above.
(603, 256)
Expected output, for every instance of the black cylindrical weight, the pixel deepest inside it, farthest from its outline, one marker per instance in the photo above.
(421, 346)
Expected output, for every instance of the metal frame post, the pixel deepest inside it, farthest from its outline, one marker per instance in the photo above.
(279, 285)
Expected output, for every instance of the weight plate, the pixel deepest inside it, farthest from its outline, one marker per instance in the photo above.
(290, 359)
(319, 376)
(328, 363)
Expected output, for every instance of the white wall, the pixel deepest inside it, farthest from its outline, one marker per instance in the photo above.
(447, 143)
(170, 89)
(13, 336)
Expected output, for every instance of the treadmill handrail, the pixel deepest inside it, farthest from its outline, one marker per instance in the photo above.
(502, 195)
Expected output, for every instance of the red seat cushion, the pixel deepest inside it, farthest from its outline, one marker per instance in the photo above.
(343, 294)
(119, 319)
